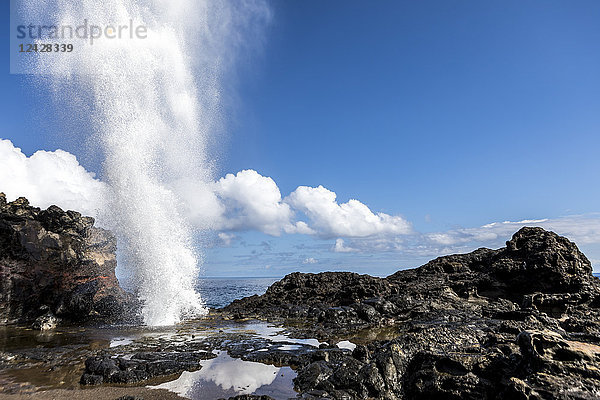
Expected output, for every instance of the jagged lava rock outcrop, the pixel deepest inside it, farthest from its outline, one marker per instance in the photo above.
(521, 322)
(57, 261)
(536, 269)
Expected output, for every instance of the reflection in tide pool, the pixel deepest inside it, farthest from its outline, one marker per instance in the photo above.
(225, 376)
(275, 334)
(120, 342)
(345, 344)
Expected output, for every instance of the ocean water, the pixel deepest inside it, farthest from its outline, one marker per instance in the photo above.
(218, 292)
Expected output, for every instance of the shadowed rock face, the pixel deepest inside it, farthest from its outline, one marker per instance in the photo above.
(521, 322)
(57, 260)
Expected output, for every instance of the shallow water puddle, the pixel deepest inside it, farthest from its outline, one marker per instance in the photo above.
(35, 361)
(289, 347)
(225, 376)
(346, 344)
(275, 334)
(120, 342)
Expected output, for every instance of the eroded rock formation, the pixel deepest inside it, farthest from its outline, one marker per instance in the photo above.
(57, 261)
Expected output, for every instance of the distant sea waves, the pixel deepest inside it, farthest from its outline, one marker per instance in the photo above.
(218, 292)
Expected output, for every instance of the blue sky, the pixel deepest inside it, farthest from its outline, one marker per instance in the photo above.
(452, 115)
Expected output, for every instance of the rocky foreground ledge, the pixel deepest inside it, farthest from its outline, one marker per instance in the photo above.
(56, 263)
(521, 322)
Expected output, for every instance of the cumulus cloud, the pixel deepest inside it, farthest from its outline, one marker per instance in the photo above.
(49, 178)
(249, 201)
(237, 202)
(351, 219)
(252, 201)
(340, 247)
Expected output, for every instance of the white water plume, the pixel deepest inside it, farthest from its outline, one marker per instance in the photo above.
(155, 101)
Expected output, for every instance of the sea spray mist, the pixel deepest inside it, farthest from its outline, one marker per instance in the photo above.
(155, 100)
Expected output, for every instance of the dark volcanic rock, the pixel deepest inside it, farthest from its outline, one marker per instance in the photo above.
(521, 322)
(140, 367)
(56, 259)
(311, 296)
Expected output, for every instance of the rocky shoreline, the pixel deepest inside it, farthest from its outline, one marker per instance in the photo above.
(520, 322)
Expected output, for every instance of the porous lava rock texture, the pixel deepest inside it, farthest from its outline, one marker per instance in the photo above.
(55, 262)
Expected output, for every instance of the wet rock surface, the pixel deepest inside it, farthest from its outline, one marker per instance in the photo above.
(520, 322)
(140, 366)
(46, 321)
(58, 261)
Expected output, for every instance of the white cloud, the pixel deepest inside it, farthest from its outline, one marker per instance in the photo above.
(302, 228)
(49, 178)
(340, 247)
(351, 219)
(309, 260)
(252, 201)
(226, 238)
(582, 229)
(244, 201)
